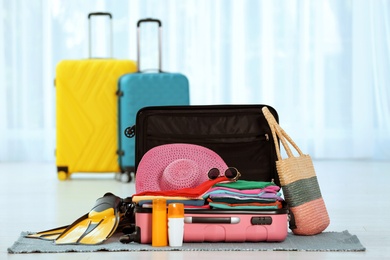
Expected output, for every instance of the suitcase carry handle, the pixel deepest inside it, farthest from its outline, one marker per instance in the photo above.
(148, 20)
(90, 31)
(99, 14)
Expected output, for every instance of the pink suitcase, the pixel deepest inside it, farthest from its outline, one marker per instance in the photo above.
(221, 225)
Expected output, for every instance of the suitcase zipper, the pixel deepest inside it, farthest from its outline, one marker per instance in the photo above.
(130, 133)
(210, 138)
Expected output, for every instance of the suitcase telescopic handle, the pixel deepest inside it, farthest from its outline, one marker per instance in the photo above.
(148, 20)
(90, 31)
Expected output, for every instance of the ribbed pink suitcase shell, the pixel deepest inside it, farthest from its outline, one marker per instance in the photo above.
(253, 226)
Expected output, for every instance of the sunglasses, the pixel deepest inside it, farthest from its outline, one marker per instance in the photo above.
(231, 173)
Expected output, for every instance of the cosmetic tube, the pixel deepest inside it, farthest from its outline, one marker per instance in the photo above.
(159, 223)
(175, 224)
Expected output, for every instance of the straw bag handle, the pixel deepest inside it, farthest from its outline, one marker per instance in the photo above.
(277, 131)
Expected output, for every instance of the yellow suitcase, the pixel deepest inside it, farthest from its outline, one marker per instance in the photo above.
(87, 114)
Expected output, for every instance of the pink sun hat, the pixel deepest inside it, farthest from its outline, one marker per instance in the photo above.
(176, 166)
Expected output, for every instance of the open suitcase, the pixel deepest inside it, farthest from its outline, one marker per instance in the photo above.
(221, 225)
(142, 89)
(239, 134)
(86, 113)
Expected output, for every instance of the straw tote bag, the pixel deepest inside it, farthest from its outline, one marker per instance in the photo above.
(299, 184)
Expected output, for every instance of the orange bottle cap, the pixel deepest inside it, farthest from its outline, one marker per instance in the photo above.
(159, 204)
(176, 210)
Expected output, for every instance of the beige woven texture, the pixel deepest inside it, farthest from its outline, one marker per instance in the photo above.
(295, 168)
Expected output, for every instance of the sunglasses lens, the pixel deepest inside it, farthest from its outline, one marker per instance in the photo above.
(231, 173)
(213, 173)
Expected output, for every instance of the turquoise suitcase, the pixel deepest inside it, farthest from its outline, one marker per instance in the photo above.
(144, 89)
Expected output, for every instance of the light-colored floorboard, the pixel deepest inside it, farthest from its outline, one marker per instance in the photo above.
(32, 199)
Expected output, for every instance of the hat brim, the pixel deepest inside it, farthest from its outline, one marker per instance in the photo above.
(153, 163)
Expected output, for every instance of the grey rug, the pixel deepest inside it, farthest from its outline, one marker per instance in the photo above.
(326, 241)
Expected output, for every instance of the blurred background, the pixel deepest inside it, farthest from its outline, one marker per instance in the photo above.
(324, 65)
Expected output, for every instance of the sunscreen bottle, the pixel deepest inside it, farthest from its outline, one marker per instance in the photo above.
(175, 224)
(159, 223)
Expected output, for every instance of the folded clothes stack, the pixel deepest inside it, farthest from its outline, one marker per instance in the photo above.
(220, 194)
(243, 194)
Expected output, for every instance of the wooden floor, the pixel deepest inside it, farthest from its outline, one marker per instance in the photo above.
(357, 194)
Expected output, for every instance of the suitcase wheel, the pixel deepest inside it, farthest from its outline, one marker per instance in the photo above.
(125, 177)
(62, 176)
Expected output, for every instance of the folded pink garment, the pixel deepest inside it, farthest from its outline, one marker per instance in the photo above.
(272, 189)
(264, 196)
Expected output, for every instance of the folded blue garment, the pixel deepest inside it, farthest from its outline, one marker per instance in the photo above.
(185, 202)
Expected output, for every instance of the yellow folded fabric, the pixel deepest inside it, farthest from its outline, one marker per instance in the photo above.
(146, 197)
